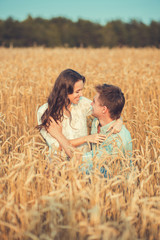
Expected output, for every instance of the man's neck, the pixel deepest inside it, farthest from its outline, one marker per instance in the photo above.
(104, 121)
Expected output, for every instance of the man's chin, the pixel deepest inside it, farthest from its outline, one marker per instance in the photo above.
(94, 115)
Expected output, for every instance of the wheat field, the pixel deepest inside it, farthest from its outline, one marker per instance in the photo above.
(43, 200)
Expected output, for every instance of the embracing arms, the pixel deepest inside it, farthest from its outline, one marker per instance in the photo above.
(53, 127)
(55, 130)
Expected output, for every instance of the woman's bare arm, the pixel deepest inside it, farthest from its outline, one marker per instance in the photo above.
(55, 131)
(94, 138)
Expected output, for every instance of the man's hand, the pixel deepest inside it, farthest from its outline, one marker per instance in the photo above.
(53, 128)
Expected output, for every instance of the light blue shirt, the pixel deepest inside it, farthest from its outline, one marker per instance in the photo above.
(119, 144)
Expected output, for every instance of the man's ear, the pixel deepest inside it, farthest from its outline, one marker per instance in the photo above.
(105, 109)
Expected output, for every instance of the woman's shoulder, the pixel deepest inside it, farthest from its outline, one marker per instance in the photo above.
(43, 107)
(84, 105)
(40, 112)
(84, 100)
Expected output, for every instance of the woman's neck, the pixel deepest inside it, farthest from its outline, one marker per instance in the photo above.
(69, 107)
(66, 111)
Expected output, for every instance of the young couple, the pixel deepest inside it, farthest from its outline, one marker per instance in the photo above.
(63, 119)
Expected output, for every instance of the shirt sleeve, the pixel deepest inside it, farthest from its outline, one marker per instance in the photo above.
(48, 138)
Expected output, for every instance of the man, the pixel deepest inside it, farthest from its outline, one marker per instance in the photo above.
(107, 106)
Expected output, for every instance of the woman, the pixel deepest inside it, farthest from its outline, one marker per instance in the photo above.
(67, 106)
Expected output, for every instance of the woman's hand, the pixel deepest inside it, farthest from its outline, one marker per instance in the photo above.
(115, 127)
(96, 138)
(53, 128)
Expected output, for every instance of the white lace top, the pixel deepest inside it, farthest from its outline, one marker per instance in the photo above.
(75, 128)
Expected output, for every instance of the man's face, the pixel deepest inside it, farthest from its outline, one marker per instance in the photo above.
(97, 108)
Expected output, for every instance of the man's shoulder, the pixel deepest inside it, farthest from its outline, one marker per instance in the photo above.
(124, 133)
(125, 130)
(121, 141)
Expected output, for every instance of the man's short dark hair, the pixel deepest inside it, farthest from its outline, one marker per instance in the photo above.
(113, 98)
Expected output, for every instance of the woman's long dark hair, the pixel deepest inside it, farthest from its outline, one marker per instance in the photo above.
(58, 98)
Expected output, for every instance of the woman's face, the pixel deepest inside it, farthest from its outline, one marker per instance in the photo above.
(77, 92)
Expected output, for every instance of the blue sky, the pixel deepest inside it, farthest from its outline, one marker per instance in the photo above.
(100, 11)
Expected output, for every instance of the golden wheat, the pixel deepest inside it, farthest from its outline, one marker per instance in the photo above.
(43, 200)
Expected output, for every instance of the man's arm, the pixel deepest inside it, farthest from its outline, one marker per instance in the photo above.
(55, 131)
(64, 143)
